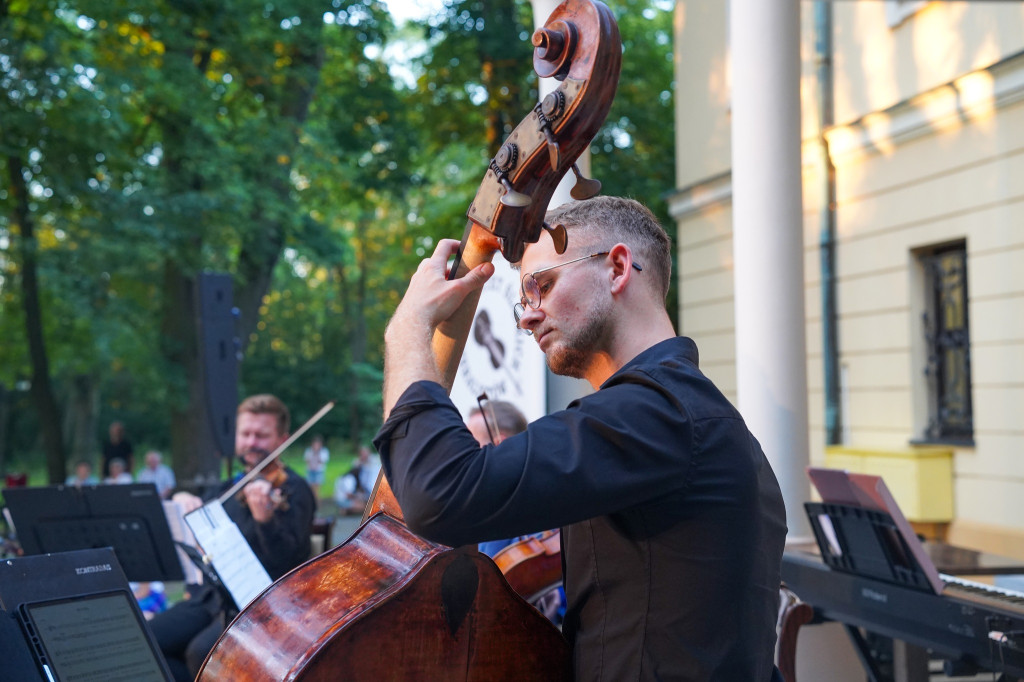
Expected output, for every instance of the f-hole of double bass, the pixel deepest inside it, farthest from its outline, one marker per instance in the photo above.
(459, 586)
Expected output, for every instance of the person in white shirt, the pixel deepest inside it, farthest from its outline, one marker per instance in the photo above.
(316, 457)
(353, 488)
(157, 473)
(118, 472)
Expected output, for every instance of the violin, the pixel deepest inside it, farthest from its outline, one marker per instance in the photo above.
(388, 604)
(273, 477)
(533, 565)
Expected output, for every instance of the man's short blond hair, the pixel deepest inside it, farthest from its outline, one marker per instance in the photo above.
(602, 222)
(265, 403)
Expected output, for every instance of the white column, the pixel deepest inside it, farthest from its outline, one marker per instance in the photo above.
(561, 390)
(771, 368)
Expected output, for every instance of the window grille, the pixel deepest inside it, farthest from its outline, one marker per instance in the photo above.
(949, 346)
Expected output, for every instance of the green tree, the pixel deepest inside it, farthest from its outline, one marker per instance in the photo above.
(55, 127)
(193, 169)
(634, 153)
(145, 142)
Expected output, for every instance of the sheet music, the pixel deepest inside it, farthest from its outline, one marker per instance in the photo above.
(95, 637)
(182, 533)
(232, 557)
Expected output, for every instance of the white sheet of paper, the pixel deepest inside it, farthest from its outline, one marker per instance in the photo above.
(232, 557)
(182, 533)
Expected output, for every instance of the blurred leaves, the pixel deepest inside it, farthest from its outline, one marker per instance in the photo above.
(273, 141)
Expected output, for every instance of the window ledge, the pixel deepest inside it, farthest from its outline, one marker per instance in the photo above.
(959, 442)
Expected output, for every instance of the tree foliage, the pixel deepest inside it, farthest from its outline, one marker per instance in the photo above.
(145, 142)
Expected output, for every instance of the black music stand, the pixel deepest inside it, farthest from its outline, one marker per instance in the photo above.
(71, 615)
(865, 542)
(129, 518)
(861, 530)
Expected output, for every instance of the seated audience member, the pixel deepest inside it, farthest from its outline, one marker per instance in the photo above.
(82, 476)
(151, 596)
(118, 472)
(352, 489)
(157, 473)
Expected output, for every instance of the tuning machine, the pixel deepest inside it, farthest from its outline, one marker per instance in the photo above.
(585, 188)
(559, 237)
(504, 161)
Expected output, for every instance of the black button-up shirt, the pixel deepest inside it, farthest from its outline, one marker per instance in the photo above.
(672, 520)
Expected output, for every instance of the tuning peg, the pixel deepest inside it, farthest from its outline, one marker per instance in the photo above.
(559, 237)
(585, 188)
(511, 197)
(554, 152)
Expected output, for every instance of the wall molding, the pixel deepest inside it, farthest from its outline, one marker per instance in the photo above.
(972, 95)
(688, 201)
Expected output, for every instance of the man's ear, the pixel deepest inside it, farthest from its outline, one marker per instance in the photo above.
(621, 258)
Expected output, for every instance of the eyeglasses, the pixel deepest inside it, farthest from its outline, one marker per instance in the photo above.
(532, 290)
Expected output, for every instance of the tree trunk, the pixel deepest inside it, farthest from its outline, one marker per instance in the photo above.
(42, 388)
(80, 416)
(5, 421)
(262, 248)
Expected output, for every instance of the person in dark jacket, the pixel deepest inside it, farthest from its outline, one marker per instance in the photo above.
(672, 520)
(275, 519)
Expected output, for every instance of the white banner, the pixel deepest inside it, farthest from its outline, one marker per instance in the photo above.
(499, 360)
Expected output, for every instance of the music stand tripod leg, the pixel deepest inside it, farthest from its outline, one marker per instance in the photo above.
(863, 651)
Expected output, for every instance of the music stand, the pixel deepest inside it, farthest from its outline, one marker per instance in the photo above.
(861, 530)
(78, 620)
(129, 518)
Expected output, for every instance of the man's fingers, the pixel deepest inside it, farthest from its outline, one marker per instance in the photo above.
(480, 274)
(474, 279)
(445, 249)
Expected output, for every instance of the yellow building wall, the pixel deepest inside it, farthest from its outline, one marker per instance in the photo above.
(928, 148)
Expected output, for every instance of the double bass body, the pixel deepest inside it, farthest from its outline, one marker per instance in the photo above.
(389, 605)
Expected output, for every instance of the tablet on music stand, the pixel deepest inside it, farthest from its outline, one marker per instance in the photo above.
(860, 529)
(94, 636)
(79, 619)
(128, 517)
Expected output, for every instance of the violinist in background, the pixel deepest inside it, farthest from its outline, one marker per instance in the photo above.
(491, 423)
(507, 421)
(672, 521)
(275, 515)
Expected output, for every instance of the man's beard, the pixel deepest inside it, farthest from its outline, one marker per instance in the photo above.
(260, 455)
(571, 355)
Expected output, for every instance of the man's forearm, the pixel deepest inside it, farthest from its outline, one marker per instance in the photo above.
(430, 300)
(408, 358)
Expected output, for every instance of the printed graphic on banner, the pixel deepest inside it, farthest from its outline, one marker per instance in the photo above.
(499, 360)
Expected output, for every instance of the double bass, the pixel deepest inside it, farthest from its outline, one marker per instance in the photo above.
(388, 604)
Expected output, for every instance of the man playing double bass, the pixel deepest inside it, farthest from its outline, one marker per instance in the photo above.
(275, 515)
(672, 520)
